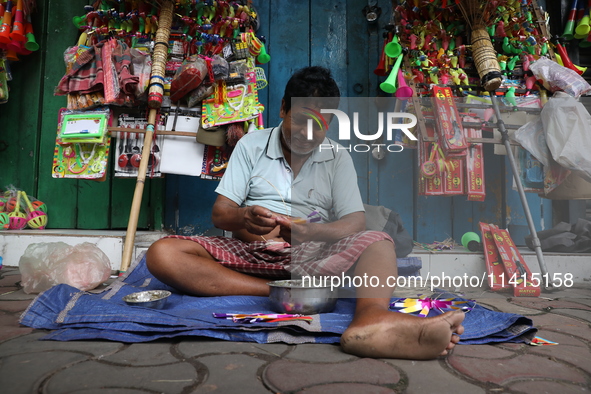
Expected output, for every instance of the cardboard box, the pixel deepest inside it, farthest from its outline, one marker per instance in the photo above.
(572, 188)
(453, 180)
(494, 267)
(449, 124)
(428, 186)
(517, 272)
(475, 165)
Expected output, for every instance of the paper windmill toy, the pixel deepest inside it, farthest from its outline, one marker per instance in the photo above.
(261, 317)
(424, 304)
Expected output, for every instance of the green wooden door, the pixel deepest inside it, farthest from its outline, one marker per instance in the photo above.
(28, 125)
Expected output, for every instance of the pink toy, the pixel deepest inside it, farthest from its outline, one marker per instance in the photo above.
(413, 41)
(35, 219)
(404, 92)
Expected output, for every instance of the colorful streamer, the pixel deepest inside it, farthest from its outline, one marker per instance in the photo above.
(261, 317)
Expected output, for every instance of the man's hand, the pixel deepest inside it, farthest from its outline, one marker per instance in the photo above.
(298, 230)
(293, 231)
(259, 220)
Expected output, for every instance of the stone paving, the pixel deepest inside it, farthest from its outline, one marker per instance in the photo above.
(195, 365)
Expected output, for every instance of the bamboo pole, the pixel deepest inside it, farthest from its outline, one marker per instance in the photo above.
(155, 93)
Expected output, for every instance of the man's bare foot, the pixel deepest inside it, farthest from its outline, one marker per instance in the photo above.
(381, 333)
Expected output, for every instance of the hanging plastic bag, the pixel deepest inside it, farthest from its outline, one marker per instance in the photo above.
(220, 68)
(532, 138)
(46, 264)
(555, 77)
(142, 67)
(188, 77)
(567, 126)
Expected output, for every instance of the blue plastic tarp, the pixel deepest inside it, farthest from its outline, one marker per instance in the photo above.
(75, 315)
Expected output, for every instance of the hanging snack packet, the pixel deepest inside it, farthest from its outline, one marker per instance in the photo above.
(220, 68)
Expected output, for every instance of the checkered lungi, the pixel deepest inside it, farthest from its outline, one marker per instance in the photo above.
(310, 258)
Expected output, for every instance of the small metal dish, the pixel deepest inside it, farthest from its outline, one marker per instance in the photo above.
(155, 299)
(291, 296)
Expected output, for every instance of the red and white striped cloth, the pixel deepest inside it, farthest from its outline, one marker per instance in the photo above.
(310, 258)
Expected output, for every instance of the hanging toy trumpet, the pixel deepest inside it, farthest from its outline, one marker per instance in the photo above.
(569, 27)
(263, 56)
(380, 69)
(18, 27)
(583, 28)
(6, 23)
(393, 49)
(389, 85)
(564, 56)
(404, 92)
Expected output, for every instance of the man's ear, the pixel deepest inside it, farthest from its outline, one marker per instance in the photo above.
(282, 112)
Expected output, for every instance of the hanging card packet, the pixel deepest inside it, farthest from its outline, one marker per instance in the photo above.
(231, 103)
(82, 158)
(84, 128)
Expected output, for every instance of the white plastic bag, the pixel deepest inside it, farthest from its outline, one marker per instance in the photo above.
(555, 77)
(567, 126)
(46, 264)
(532, 138)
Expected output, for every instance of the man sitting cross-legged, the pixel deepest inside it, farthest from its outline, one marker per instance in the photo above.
(276, 175)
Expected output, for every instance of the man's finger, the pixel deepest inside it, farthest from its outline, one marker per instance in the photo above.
(260, 211)
(283, 221)
(264, 222)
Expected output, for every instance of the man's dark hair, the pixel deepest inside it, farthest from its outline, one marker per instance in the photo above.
(313, 81)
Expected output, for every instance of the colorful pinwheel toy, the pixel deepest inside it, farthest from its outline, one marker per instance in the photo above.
(424, 304)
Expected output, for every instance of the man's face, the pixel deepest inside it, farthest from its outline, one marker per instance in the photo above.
(295, 130)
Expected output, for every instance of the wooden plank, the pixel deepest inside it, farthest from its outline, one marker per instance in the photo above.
(358, 74)
(93, 205)
(467, 214)
(373, 58)
(60, 195)
(19, 133)
(433, 216)
(195, 200)
(156, 202)
(328, 27)
(396, 185)
(289, 41)
(121, 199)
(171, 212)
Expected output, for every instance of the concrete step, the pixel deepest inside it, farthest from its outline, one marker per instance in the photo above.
(440, 265)
(460, 262)
(14, 242)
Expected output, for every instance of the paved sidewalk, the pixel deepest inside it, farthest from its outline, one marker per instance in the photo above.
(205, 366)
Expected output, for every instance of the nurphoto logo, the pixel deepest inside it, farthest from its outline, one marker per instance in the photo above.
(388, 123)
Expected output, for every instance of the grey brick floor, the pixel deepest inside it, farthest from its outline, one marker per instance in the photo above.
(196, 365)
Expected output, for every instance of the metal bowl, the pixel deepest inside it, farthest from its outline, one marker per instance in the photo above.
(150, 299)
(291, 296)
